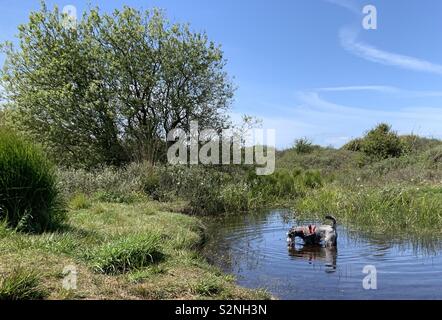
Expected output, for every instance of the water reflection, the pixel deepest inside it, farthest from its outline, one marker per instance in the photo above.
(313, 254)
(253, 247)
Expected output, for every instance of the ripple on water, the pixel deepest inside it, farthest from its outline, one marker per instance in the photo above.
(253, 247)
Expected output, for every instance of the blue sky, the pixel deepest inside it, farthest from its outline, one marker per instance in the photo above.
(307, 67)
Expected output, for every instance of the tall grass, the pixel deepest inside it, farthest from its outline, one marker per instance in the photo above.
(206, 189)
(21, 284)
(385, 209)
(123, 185)
(125, 254)
(29, 198)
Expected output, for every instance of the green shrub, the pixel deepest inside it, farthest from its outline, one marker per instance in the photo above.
(199, 185)
(416, 144)
(353, 145)
(21, 285)
(29, 199)
(382, 143)
(128, 253)
(286, 184)
(149, 177)
(303, 145)
(327, 160)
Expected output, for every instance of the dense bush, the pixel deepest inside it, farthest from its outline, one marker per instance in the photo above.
(286, 184)
(416, 144)
(199, 185)
(382, 143)
(29, 199)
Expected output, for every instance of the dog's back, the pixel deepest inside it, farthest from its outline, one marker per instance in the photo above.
(315, 234)
(330, 233)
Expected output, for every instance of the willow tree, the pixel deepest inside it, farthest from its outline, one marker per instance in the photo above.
(109, 88)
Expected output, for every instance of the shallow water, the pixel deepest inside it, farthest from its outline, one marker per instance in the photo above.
(253, 247)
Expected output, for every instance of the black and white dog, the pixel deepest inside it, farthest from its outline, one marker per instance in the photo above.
(315, 235)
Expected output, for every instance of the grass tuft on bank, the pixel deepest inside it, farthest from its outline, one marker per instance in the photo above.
(21, 284)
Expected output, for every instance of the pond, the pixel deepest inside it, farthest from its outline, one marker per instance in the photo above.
(253, 247)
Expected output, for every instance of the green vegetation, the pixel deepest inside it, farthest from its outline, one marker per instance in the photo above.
(201, 189)
(29, 198)
(128, 253)
(121, 251)
(21, 284)
(379, 143)
(386, 209)
(80, 201)
(100, 100)
(380, 182)
(109, 91)
(303, 145)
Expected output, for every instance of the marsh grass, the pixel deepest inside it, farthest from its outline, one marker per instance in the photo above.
(21, 284)
(389, 209)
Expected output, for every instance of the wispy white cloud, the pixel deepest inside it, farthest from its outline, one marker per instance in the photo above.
(377, 88)
(347, 4)
(383, 89)
(311, 101)
(349, 41)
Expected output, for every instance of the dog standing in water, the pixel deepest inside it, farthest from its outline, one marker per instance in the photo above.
(315, 235)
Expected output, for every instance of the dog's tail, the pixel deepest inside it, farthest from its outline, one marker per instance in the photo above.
(332, 219)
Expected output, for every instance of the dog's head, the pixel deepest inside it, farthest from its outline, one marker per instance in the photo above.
(293, 233)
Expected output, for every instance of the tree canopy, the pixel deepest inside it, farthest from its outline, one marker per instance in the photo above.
(110, 88)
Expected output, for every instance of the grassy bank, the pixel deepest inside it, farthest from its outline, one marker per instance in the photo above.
(120, 251)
